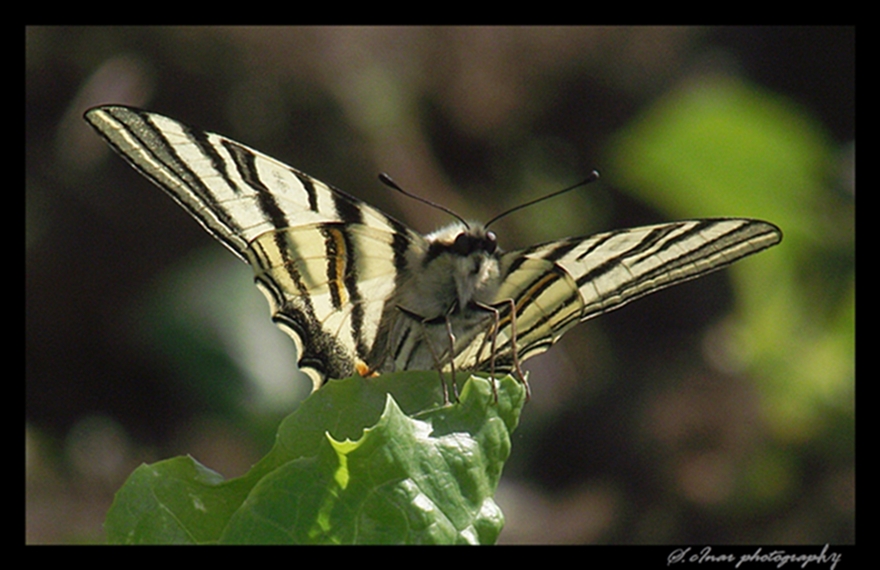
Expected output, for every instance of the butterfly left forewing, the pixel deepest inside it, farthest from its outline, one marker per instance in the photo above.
(614, 268)
(556, 285)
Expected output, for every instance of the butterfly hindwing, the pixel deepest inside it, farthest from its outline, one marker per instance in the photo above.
(329, 284)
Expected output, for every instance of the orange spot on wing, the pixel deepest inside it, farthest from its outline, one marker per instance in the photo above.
(364, 370)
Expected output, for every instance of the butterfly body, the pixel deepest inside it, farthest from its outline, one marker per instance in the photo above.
(359, 291)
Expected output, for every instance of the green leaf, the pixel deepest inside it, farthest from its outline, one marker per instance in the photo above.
(362, 461)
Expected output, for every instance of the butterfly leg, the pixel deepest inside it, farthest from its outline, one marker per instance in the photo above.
(439, 367)
(423, 324)
(493, 333)
(451, 336)
(514, 352)
(496, 325)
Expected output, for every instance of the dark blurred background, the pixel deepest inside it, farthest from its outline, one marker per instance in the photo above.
(719, 411)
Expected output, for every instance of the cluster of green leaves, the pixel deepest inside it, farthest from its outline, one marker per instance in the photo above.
(361, 461)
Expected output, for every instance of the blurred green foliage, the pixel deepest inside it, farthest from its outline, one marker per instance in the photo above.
(724, 147)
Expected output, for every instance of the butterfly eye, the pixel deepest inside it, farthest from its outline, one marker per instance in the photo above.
(490, 242)
(462, 245)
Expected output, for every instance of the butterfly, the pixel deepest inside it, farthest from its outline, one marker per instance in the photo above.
(360, 292)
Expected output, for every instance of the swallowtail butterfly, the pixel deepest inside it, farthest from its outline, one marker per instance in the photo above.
(359, 292)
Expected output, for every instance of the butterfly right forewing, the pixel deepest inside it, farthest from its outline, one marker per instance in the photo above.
(326, 261)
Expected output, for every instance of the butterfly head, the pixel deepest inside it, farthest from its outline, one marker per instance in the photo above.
(469, 256)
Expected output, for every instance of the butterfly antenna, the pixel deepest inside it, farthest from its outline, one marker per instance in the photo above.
(594, 175)
(388, 181)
